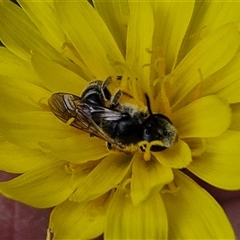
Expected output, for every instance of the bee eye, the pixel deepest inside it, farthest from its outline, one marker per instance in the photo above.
(148, 130)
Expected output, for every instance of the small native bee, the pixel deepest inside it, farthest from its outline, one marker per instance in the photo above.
(114, 116)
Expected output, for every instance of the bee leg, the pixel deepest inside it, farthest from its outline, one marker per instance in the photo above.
(107, 95)
(104, 91)
(115, 99)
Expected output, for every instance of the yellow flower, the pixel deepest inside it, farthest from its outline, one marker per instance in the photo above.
(185, 57)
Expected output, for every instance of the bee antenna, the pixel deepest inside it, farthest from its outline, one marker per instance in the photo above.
(148, 104)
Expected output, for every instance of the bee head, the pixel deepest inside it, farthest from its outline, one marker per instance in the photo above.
(158, 127)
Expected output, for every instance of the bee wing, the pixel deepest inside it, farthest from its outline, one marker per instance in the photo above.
(103, 113)
(64, 105)
(67, 106)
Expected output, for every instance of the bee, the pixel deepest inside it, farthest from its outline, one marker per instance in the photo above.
(111, 114)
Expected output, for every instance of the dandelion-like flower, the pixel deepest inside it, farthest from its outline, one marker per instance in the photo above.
(183, 55)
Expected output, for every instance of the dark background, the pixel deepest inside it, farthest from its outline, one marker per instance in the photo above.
(21, 222)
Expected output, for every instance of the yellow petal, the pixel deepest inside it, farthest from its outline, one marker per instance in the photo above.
(71, 220)
(22, 69)
(30, 128)
(139, 41)
(231, 92)
(196, 145)
(207, 17)
(194, 214)
(17, 159)
(42, 187)
(21, 40)
(211, 54)
(18, 95)
(77, 149)
(148, 220)
(59, 79)
(170, 28)
(105, 176)
(90, 36)
(219, 165)
(225, 77)
(155, 176)
(178, 156)
(206, 117)
(235, 124)
(115, 14)
(44, 17)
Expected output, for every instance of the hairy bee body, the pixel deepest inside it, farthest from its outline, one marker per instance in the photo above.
(114, 116)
